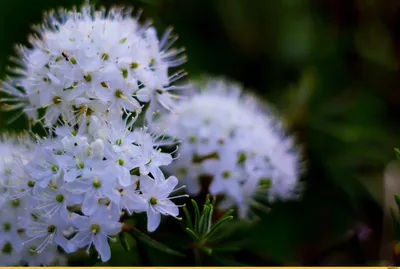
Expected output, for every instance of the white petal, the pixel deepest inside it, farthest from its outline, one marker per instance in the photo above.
(90, 204)
(102, 247)
(153, 219)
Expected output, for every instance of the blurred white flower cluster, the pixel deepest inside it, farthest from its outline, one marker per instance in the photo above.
(88, 77)
(235, 141)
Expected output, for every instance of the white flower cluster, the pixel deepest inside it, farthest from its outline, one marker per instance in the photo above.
(231, 138)
(93, 73)
(18, 242)
(71, 190)
(93, 63)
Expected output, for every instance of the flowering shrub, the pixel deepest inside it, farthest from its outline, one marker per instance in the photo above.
(87, 78)
(98, 82)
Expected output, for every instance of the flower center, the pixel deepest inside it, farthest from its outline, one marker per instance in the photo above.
(56, 100)
(59, 198)
(153, 200)
(81, 165)
(96, 182)
(95, 229)
(265, 183)
(241, 158)
(54, 168)
(7, 226)
(88, 77)
(134, 65)
(119, 93)
(51, 229)
(7, 248)
(192, 139)
(31, 184)
(121, 161)
(226, 174)
(15, 202)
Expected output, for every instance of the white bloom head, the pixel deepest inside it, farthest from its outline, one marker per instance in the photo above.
(232, 138)
(94, 72)
(92, 62)
(84, 181)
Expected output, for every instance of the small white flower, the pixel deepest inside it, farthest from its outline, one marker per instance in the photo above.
(148, 156)
(95, 185)
(96, 230)
(47, 230)
(156, 193)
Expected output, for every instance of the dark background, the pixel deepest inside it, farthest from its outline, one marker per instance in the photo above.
(331, 68)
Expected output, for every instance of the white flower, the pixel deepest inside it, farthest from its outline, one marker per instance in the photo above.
(95, 185)
(238, 142)
(227, 174)
(131, 200)
(148, 156)
(96, 230)
(91, 62)
(49, 256)
(9, 228)
(46, 230)
(47, 166)
(156, 193)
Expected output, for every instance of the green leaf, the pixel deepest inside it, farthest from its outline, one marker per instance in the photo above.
(217, 225)
(188, 218)
(207, 250)
(192, 234)
(228, 213)
(397, 151)
(127, 241)
(214, 200)
(153, 243)
(208, 199)
(205, 220)
(196, 216)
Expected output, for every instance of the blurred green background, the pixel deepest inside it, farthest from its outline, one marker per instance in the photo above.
(331, 68)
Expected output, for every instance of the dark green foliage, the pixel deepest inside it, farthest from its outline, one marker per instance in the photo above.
(330, 68)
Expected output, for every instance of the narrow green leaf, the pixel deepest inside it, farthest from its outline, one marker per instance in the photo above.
(196, 216)
(214, 200)
(203, 223)
(208, 199)
(207, 250)
(397, 151)
(192, 234)
(217, 225)
(127, 241)
(153, 243)
(228, 213)
(188, 218)
(209, 219)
